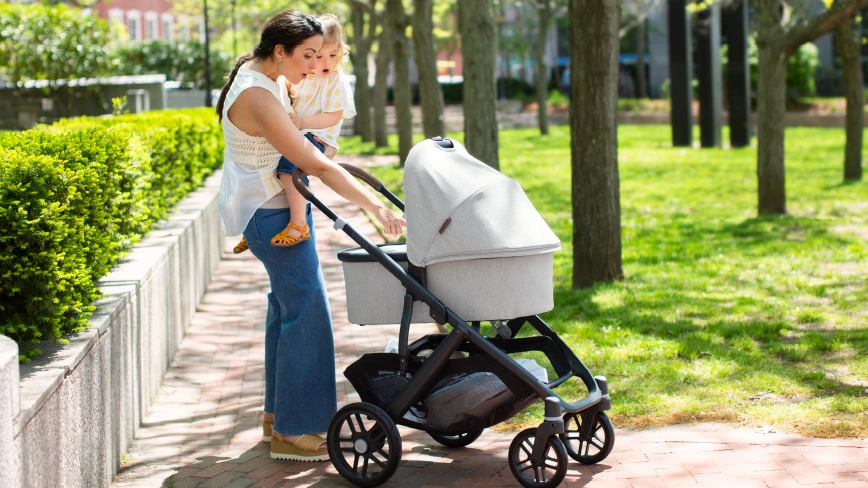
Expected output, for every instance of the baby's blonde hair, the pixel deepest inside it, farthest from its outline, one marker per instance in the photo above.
(333, 33)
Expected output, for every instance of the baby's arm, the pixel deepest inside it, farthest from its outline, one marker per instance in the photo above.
(322, 120)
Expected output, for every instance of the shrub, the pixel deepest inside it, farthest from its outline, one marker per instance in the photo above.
(800, 68)
(75, 196)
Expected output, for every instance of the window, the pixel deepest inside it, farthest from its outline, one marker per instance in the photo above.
(168, 31)
(184, 27)
(116, 16)
(134, 25)
(151, 25)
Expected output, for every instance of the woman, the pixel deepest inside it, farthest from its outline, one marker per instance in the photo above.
(300, 393)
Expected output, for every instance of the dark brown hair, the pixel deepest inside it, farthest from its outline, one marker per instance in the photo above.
(288, 29)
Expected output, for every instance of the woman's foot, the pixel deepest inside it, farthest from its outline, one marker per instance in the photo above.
(291, 235)
(307, 447)
(241, 246)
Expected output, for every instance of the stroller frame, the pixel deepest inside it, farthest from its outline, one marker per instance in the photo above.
(563, 360)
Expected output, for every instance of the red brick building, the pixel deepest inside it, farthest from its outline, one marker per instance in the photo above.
(150, 19)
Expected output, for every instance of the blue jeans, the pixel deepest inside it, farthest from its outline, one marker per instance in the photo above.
(299, 346)
(286, 167)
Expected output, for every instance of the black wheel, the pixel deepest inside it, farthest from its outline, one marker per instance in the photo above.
(590, 450)
(364, 444)
(537, 473)
(460, 440)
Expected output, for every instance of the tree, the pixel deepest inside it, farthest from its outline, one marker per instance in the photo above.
(381, 63)
(397, 21)
(780, 31)
(54, 43)
(364, 24)
(847, 37)
(545, 10)
(430, 95)
(476, 25)
(594, 46)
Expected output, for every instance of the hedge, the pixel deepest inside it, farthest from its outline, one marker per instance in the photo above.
(75, 196)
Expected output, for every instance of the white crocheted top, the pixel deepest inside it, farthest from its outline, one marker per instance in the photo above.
(249, 162)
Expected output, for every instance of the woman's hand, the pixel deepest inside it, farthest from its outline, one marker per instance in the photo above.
(392, 224)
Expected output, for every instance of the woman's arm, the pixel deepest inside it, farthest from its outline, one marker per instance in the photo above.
(259, 114)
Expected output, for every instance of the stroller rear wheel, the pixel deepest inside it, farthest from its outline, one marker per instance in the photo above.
(460, 440)
(545, 472)
(590, 450)
(364, 444)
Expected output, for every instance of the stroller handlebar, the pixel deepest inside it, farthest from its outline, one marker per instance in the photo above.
(356, 172)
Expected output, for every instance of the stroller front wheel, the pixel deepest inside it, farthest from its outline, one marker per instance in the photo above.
(593, 449)
(364, 444)
(546, 472)
(460, 440)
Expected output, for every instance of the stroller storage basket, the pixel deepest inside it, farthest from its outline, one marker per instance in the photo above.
(475, 289)
(470, 394)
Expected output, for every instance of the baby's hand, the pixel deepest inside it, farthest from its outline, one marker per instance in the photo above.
(295, 120)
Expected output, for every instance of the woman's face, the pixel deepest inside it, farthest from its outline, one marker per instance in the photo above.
(327, 58)
(301, 61)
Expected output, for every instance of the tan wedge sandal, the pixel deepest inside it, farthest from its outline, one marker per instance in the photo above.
(241, 246)
(285, 239)
(307, 447)
(266, 431)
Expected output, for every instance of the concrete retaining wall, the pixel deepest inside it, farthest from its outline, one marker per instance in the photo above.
(67, 417)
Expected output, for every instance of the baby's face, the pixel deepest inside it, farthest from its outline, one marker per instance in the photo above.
(327, 58)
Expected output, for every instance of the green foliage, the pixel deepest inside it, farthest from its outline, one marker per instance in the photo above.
(75, 196)
(515, 89)
(800, 68)
(183, 62)
(557, 98)
(42, 42)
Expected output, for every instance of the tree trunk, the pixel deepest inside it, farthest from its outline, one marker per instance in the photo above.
(397, 20)
(542, 92)
(384, 55)
(848, 46)
(641, 83)
(771, 109)
(430, 94)
(361, 43)
(596, 201)
(476, 25)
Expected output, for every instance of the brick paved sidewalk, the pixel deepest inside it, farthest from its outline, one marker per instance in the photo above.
(203, 428)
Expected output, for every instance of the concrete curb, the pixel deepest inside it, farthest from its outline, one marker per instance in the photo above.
(72, 413)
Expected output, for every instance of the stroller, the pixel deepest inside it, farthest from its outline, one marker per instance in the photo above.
(459, 267)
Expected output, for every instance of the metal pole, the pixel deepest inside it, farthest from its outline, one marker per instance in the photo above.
(680, 74)
(208, 102)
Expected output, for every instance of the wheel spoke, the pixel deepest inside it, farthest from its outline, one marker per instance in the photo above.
(524, 447)
(365, 466)
(529, 466)
(356, 462)
(351, 426)
(592, 443)
(360, 424)
(347, 449)
(379, 463)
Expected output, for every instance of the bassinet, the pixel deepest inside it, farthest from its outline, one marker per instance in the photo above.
(485, 251)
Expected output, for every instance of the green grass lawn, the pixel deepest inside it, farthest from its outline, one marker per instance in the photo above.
(722, 316)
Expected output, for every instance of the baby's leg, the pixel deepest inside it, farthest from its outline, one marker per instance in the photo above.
(297, 203)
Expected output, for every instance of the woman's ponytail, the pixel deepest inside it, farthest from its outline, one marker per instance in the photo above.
(220, 101)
